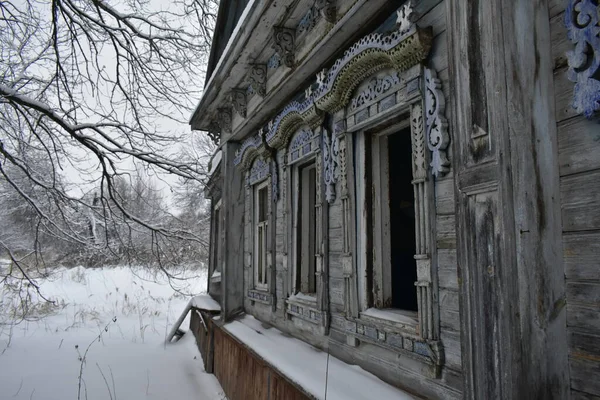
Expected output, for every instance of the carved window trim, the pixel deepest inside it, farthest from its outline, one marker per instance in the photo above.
(259, 177)
(303, 149)
(427, 123)
(582, 19)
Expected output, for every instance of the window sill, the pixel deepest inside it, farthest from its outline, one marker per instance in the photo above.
(216, 277)
(304, 307)
(398, 320)
(308, 299)
(260, 296)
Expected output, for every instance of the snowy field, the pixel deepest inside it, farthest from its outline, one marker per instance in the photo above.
(122, 315)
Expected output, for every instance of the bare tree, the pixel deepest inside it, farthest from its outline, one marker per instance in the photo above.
(90, 88)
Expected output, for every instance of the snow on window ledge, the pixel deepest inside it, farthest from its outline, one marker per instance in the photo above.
(216, 277)
(310, 298)
(407, 321)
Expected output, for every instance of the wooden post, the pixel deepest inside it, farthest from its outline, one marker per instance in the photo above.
(232, 218)
(512, 290)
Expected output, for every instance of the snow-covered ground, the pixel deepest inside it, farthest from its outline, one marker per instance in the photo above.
(123, 316)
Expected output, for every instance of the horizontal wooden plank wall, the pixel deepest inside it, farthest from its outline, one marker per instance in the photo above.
(579, 166)
(245, 376)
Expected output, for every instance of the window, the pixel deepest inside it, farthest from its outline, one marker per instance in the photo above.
(391, 237)
(305, 229)
(261, 218)
(216, 267)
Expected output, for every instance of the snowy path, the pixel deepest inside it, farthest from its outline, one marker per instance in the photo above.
(41, 360)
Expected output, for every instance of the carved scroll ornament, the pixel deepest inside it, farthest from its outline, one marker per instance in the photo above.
(238, 101)
(331, 151)
(437, 125)
(258, 79)
(582, 18)
(401, 49)
(284, 45)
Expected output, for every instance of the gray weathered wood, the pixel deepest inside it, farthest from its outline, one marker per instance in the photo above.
(580, 197)
(555, 7)
(585, 292)
(586, 318)
(444, 196)
(584, 344)
(446, 232)
(449, 299)
(578, 146)
(580, 253)
(451, 342)
(585, 375)
(233, 206)
(508, 224)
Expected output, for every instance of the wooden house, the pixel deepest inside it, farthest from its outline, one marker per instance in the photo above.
(413, 186)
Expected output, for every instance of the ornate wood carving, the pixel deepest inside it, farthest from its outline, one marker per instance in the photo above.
(398, 50)
(331, 163)
(238, 101)
(582, 18)
(437, 125)
(259, 172)
(274, 182)
(406, 17)
(304, 143)
(376, 88)
(284, 45)
(224, 119)
(422, 223)
(327, 9)
(258, 79)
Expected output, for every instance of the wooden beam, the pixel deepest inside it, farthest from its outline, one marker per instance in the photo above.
(511, 276)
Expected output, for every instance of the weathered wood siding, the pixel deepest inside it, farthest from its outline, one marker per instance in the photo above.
(399, 369)
(579, 168)
(245, 376)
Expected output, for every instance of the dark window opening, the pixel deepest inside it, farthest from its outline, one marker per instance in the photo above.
(306, 261)
(402, 222)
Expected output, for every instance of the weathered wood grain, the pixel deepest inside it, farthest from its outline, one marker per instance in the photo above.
(447, 273)
(560, 41)
(446, 231)
(584, 318)
(449, 299)
(580, 252)
(577, 395)
(585, 375)
(563, 99)
(449, 320)
(555, 7)
(584, 292)
(435, 17)
(584, 345)
(578, 146)
(444, 196)
(451, 342)
(580, 198)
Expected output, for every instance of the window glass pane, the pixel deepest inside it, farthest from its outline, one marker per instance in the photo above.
(259, 246)
(262, 204)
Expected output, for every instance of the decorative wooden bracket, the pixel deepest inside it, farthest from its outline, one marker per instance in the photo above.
(582, 18)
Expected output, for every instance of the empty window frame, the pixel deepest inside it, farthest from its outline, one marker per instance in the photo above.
(305, 228)
(261, 234)
(217, 239)
(391, 266)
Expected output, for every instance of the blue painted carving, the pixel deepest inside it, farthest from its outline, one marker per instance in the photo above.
(274, 62)
(252, 143)
(302, 145)
(582, 18)
(259, 172)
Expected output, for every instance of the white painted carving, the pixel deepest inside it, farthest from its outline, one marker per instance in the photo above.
(406, 17)
(331, 163)
(437, 125)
